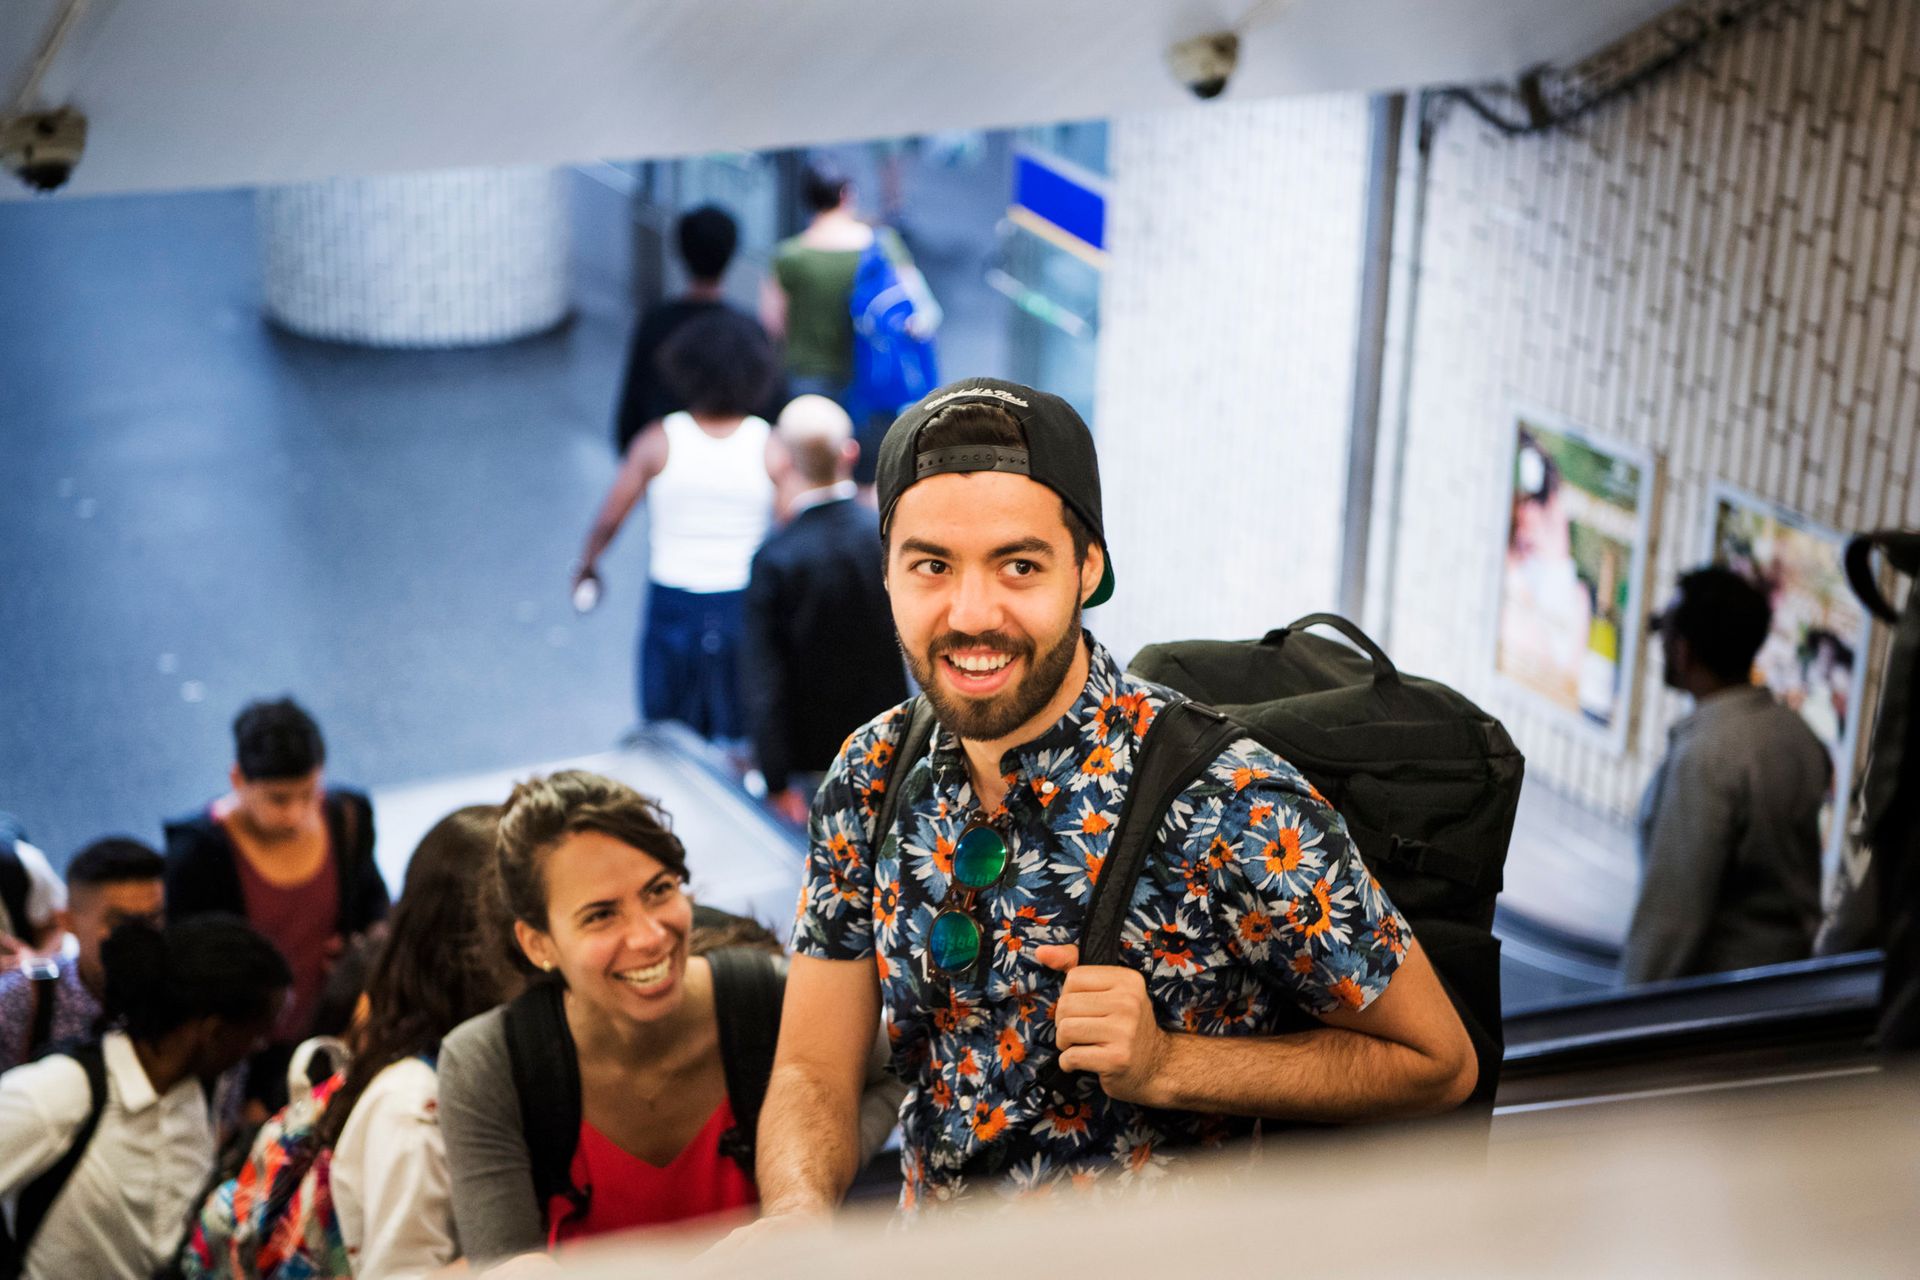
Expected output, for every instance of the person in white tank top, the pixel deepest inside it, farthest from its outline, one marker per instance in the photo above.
(710, 476)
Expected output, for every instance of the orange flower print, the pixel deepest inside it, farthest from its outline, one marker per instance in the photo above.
(942, 1094)
(988, 1122)
(968, 1066)
(943, 855)
(1256, 926)
(1259, 813)
(881, 964)
(1246, 776)
(1067, 1120)
(1092, 823)
(1045, 791)
(1219, 854)
(879, 753)
(1302, 964)
(1283, 851)
(1313, 794)
(1140, 1157)
(1348, 993)
(956, 1012)
(1387, 933)
(840, 847)
(1094, 864)
(1320, 912)
(886, 905)
(1172, 948)
(1011, 1048)
(1099, 761)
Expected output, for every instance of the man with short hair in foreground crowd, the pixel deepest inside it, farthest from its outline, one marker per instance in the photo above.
(963, 930)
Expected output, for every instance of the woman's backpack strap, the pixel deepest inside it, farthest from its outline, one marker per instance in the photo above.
(546, 1076)
(748, 988)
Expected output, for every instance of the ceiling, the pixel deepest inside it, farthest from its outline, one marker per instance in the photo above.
(204, 93)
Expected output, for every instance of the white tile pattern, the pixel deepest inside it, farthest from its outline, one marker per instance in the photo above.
(458, 258)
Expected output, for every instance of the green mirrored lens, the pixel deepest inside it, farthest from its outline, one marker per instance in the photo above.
(979, 858)
(954, 941)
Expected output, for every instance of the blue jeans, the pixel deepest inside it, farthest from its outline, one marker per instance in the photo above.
(690, 659)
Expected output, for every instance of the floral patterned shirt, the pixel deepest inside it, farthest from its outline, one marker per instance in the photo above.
(1254, 905)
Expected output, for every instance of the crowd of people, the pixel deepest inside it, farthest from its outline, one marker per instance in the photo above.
(548, 1041)
(750, 440)
(240, 1059)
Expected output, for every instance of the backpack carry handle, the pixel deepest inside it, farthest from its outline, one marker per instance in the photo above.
(1384, 672)
(1901, 549)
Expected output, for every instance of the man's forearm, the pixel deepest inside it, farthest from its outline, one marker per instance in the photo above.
(1327, 1074)
(808, 1144)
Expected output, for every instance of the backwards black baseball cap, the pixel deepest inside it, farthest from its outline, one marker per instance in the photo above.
(1059, 454)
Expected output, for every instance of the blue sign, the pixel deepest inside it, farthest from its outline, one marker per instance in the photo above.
(1061, 203)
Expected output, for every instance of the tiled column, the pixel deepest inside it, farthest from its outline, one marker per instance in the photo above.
(459, 258)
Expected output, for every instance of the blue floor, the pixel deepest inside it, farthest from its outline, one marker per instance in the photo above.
(199, 509)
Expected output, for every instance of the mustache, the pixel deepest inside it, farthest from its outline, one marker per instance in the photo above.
(949, 641)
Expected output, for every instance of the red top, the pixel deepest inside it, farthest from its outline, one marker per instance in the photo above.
(299, 919)
(625, 1191)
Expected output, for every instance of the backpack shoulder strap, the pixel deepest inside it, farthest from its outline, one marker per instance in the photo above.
(748, 989)
(1181, 742)
(546, 1076)
(38, 1196)
(46, 999)
(15, 888)
(916, 731)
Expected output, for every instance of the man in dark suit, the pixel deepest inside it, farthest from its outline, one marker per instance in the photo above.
(820, 656)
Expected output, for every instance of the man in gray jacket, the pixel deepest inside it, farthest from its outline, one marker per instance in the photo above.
(1730, 825)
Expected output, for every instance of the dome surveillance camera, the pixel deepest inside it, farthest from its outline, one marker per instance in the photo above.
(42, 147)
(1205, 63)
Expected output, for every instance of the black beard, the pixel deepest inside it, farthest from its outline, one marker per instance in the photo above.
(990, 719)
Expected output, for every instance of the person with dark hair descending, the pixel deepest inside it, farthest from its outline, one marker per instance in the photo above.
(1729, 827)
(288, 853)
(104, 1146)
(57, 999)
(620, 1089)
(709, 476)
(389, 1175)
(706, 238)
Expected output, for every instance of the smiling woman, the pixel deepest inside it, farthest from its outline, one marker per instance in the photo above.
(622, 1089)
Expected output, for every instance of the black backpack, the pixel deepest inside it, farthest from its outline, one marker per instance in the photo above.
(1890, 819)
(1426, 781)
(748, 988)
(37, 1197)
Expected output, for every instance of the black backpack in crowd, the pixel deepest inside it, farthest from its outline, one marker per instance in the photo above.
(15, 884)
(748, 987)
(37, 1197)
(1426, 781)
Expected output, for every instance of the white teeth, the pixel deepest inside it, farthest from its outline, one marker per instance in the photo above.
(992, 662)
(647, 977)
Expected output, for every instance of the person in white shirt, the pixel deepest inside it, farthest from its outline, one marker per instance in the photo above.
(709, 476)
(191, 1003)
(389, 1177)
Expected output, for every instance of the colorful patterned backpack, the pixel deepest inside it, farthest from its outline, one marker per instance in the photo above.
(275, 1220)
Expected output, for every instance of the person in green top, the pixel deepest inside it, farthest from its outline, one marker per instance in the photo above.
(805, 302)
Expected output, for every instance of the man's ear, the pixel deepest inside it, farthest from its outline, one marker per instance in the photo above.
(235, 778)
(1091, 569)
(536, 946)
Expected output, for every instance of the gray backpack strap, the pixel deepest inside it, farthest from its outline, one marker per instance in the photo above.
(915, 733)
(1182, 741)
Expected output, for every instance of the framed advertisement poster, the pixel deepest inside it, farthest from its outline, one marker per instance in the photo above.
(1573, 571)
(1815, 656)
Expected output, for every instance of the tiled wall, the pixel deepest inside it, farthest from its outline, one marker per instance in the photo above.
(457, 258)
(1724, 270)
(1226, 364)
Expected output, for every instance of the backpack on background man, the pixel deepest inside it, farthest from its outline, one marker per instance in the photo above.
(1890, 803)
(37, 1197)
(275, 1220)
(894, 318)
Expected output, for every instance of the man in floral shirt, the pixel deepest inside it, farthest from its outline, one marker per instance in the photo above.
(1025, 1067)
